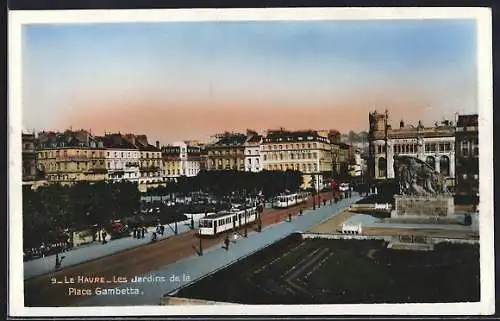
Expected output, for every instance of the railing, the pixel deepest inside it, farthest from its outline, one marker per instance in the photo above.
(150, 169)
(73, 158)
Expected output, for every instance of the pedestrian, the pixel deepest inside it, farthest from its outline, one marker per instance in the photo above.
(143, 231)
(226, 242)
(104, 235)
(162, 229)
(42, 249)
(324, 202)
(134, 232)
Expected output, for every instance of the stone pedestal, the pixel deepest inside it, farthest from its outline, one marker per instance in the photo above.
(421, 207)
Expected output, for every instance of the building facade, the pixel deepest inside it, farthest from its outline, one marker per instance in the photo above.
(71, 157)
(29, 146)
(253, 162)
(433, 144)
(150, 161)
(227, 153)
(467, 158)
(122, 159)
(304, 151)
(356, 166)
(180, 159)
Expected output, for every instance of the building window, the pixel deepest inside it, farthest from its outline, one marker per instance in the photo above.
(475, 147)
(431, 161)
(382, 165)
(444, 166)
(465, 148)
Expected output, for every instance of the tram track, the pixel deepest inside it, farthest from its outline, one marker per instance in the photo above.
(141, 260)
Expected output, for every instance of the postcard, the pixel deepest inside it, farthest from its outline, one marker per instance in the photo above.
(291, 161)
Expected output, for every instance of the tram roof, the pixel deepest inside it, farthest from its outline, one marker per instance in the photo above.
(224, 213)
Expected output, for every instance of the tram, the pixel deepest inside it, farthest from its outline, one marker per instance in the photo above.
(227, 220)
(288, 200)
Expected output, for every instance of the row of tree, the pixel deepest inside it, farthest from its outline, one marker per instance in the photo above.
(222, 183)
(48, 211)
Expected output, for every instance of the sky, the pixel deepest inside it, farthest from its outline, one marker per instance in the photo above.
(190, 80)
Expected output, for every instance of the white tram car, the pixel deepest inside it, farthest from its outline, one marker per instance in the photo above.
(284, 201)
(226, 220)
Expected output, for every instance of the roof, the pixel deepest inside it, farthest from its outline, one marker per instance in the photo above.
(231, 140)
(116, 141)
(467, 120)
(283, 135)
(254, 139)
(147, 147)
(225, 213)
(70, 139)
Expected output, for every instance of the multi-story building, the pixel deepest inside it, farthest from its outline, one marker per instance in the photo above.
(356, 166)
(343, 157)
(150, 161)
(180, 159)
(70, 157)
(29, 157)
(467, 155)
(227, 153)
(252, 152)
(306, 151)
(122, 158)
(433, 144)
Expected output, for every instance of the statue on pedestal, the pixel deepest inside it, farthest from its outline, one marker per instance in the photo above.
(416, 177)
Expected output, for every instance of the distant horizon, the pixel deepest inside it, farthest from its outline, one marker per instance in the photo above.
(189, 80)
(242, 131)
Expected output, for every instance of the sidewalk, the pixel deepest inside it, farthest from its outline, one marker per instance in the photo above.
(96, 250)
(370, 221)
(215, 258)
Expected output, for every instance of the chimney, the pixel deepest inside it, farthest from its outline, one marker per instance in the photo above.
(401, 124)
(157, 144)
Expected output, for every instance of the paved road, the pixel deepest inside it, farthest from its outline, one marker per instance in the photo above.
(94, 251)
(196, 267)
(79, 255)
(154, 257)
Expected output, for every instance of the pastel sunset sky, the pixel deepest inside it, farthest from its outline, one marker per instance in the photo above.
(190, 80)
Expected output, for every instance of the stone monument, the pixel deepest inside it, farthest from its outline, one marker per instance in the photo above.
(422, 191)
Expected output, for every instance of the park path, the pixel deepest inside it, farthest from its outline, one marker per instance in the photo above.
(163, 254)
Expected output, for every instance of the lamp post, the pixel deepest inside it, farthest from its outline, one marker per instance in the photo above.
(386, 140)
(317, 190)
(245, 208)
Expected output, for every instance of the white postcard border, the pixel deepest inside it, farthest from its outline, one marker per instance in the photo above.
(485, 108)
